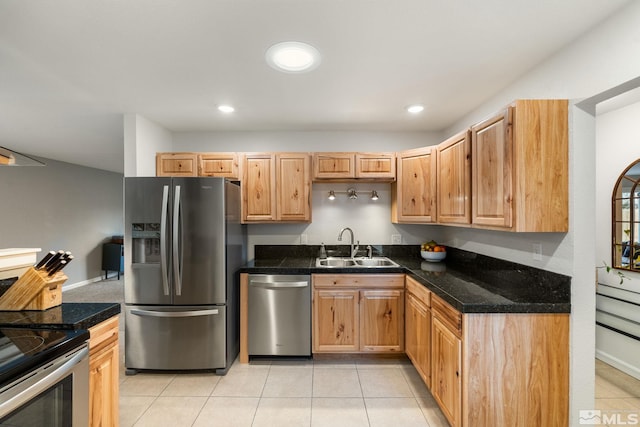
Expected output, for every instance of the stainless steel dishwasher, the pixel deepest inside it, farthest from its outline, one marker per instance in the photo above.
(279, 315)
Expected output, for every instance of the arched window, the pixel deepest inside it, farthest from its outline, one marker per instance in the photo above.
(625, 233)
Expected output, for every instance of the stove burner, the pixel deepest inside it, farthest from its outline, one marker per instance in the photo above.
(15, 343)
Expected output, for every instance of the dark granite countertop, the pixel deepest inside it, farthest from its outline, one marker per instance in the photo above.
(69, 315)
(470, 282)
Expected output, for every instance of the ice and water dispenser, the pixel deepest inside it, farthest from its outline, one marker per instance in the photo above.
(145, 239)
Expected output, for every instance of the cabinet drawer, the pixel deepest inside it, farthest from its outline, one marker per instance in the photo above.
(420, 292)
(448, 315)
(103, 334)
(358, 280)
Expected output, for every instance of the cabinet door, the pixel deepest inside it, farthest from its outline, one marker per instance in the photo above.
(446, 377)
(258, 187)
(492, 171)
(103, 374)
(382, 320)
(334, 165)
(376, 165)
(223, 165)
(418, 336)
(335, 321)
(293, 193)
(454, 180)
(415, 187)
(176, 164)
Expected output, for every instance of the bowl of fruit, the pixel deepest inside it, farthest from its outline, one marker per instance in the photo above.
(432, 251)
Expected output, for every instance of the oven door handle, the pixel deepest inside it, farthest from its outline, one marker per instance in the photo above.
(40, 381)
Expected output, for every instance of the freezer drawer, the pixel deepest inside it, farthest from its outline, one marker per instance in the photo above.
(279, 321)
(175, 337)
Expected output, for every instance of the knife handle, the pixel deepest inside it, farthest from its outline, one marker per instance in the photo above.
(44, 260)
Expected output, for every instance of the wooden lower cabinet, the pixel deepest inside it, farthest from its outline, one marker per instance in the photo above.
(490, 369)
(354, 313)
(446, 378)
(418, 333)
(103, 374)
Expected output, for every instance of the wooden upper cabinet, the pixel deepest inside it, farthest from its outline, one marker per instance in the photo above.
(224, 165)
(258, 187)
(347, 166)
(376, 165)
(293, 192)
(520, 168)
(454, 180)
(334, 165)
(414, 192)
(276, 187)
(176, 164)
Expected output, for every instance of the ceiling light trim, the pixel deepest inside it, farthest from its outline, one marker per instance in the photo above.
(293, 57)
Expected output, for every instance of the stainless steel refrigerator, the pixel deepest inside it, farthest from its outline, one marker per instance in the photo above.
(184, 243)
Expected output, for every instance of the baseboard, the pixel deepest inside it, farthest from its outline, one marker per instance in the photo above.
(68, 287)
(618, 364)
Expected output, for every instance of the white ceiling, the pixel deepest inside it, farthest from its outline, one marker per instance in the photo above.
(70, 69)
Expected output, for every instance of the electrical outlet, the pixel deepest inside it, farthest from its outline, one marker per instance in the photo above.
(396, 239)
(303, 239)
(537, 251)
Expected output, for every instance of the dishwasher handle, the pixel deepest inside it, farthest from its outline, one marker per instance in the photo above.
(278, 285)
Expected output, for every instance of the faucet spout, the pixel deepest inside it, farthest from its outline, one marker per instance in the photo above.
(353, 249)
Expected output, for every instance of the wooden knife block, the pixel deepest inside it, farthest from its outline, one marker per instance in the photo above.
(34, 290)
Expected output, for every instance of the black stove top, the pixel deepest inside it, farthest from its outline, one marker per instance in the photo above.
(22, 350)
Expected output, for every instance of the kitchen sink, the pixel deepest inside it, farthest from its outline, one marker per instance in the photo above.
(360, 262)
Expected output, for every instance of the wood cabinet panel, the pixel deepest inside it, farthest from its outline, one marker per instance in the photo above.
(359, 280)
(258, 187)
(336, 321)
(414, 192)
(293, 182)
(176, 164)
(516, 370)
(334, 165)
(447, 314)
(376, 165)
(446, 377)
(492, 170)
(382, 320)
(224, 165)
(104, 374)
(418, 335)
(454, 180)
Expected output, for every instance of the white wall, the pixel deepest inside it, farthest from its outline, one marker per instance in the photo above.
(303, 141)
(143, 138)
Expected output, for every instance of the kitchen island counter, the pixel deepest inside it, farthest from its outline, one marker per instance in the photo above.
(470, 282)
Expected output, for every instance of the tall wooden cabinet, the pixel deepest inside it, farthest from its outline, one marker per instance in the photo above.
(520, 168)
(103, 374)
(454, 180)
(276, 187)
(413, 197)
(356, 313)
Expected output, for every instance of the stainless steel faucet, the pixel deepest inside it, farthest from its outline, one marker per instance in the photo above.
(354, 250)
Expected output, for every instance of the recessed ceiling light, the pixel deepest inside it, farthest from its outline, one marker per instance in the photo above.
(415, 109)
(226, 109)
(293, 57)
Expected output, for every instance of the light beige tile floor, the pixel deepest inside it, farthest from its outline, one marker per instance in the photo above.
(617, 396)
(316, 393)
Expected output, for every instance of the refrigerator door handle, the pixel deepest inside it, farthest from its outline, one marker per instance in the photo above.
(164, 260)
(197, 313)
(177, 244)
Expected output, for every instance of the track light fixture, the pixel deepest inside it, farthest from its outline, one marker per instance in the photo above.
(352, 194)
